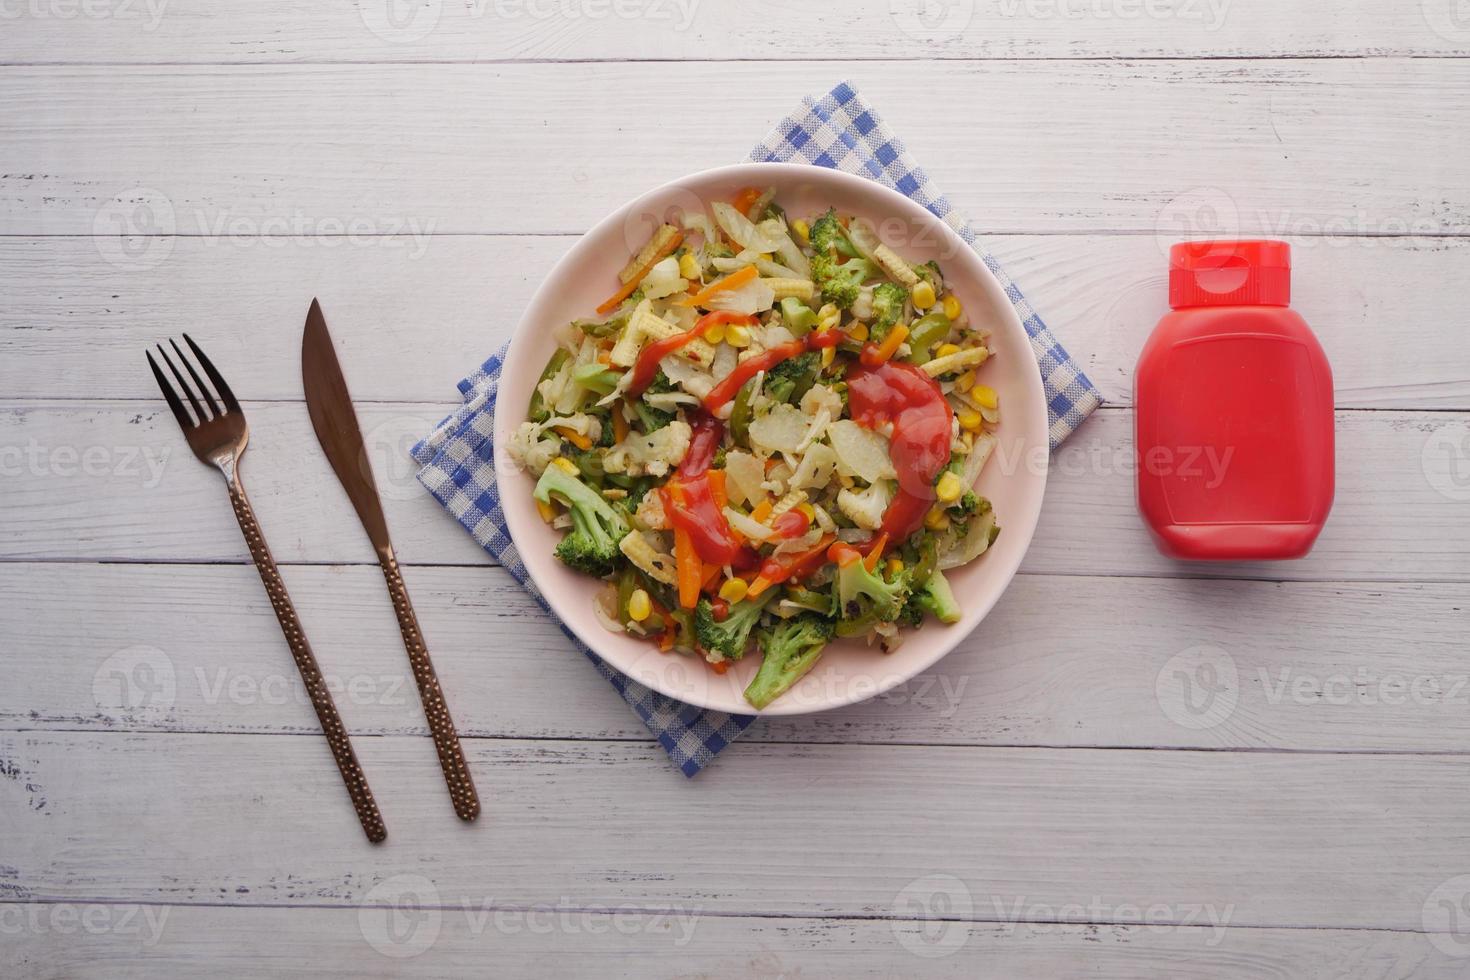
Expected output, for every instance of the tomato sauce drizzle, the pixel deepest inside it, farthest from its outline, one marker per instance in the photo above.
(922, 423)
(645, 369)
(699, 514)
(764, 361)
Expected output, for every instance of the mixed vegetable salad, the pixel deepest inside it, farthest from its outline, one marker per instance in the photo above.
(769, 436)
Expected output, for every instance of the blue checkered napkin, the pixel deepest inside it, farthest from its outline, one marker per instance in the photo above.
(458, 458)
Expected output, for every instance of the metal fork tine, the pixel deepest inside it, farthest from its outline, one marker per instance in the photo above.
(219, 382)
(188, 392)
(170, 395)
(203, 388)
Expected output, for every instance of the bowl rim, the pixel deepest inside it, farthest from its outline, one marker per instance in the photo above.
(1018, 525)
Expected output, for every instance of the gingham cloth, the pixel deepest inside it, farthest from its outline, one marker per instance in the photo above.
(840, 131)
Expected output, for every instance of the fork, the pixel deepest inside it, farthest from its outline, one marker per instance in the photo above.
(218, 438)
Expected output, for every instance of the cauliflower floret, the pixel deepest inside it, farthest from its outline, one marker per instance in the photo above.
(865, 507)
(531, 451)
(650, 513)
(819, 397)
(654, 453)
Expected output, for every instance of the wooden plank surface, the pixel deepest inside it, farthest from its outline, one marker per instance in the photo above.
(112, 469)
(1304, 667)
(412, 317)
(1309, 840)
(131, 942)
(1367, 146)
(265, 31)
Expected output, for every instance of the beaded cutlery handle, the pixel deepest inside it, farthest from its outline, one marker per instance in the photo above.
(436, 710)
(311, 673)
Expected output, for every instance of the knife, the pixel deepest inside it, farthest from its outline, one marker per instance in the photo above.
(335, 422)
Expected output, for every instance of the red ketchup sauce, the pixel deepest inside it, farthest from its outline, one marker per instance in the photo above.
(645, 369)
(922, 420)
(751, 366)
(696, 511)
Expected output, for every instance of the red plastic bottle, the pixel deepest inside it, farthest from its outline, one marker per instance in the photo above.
(1233, 396)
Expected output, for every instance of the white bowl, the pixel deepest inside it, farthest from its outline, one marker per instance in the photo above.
(1014, 479)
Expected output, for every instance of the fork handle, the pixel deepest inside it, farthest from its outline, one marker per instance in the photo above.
(436, 710)
(311, 673)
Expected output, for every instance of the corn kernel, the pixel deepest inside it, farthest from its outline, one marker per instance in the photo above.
(766, 256)
(802, 229)
(949, 488)
(688, 266)
(969, 419)
(858, 330)
(639, 605)
(936, 519)
(566, 466)
(829, 354)
(894, 566)
(945, 350)
(952, 307)
(828, 317)
(923, 295)
(808, 510)
(547, 512)
(985, 396)
(734, 589)
(737, 335)
(965, 381)
(714, 333)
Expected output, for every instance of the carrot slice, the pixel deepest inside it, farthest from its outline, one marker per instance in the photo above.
(734, 280)
(688, 567)
(747, 197)
(629, 287)
(871, 562)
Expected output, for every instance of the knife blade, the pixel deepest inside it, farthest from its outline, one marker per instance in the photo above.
(332, 416)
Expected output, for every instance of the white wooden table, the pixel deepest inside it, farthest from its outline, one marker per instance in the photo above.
(1133, 768)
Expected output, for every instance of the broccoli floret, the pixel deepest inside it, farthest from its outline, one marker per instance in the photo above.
(888, 301)
(828, 235)
(730, 635)
(840, 283)
(591, 546)
(790, 649)
(966, 506)
(652, 419)
(933, 597)
(793, 377)
(855, 583)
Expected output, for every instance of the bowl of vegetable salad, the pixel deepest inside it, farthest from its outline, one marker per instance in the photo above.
(771, 439)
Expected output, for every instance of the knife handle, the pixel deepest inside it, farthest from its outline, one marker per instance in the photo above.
(441, 725)
(311, 673)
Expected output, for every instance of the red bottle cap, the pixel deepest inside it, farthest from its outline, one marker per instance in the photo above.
(1230, 273)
